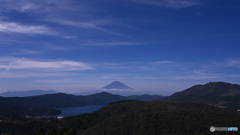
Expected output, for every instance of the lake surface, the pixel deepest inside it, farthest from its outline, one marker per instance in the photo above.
(72, 111)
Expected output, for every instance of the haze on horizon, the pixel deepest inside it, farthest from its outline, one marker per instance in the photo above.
(153, 46)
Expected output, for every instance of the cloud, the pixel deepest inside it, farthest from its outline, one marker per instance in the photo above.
(145, 78)
(30, 74)
(70, 37)
(34, 6)
(26, 52)
(106, 44)
(13, 27)
(233, 63)
(3, 90)
(19, 5)
(170, 3)
(57, 81)
(163, 62)
(30, 64)
(85, 24)
(116, 76)
(73, 13)
(199, 77)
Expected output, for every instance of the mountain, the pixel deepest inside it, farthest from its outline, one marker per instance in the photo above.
(47, 104)
(103, 98)
(155, 118)
(132, 118)
(26, 93)
(144, 97)
(116, 85)
(220, 94)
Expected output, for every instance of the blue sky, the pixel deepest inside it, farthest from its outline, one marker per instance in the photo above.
(153, 46)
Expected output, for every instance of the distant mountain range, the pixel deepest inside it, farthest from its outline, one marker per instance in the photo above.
(191, 111)
(116, 85)
(26, 93)
(222, 94)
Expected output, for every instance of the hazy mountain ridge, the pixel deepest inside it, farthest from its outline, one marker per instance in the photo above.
(27, 93)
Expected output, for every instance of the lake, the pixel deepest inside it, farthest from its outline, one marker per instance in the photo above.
(72, 111)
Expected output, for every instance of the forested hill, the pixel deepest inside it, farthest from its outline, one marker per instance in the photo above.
(46, 104)
(133, 118)
(155, 118)
(220, 94)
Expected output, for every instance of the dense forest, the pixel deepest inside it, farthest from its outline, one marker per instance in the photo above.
(133, 118)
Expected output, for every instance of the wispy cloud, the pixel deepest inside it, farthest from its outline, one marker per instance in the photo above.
(116, 76)
(73, 13)
(19, 5)
(3, 90)
(13, 27)
(34, 6)
(233, 63)
(30, 64)
(30, 74)
(26, 52)
(163, 62)
(106, 44)
(85, 24)
(170, 3)
(144, 78)
(57, 81)
(70, 37)
(198, 77)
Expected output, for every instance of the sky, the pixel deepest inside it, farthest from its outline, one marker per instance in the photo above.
(153, 46)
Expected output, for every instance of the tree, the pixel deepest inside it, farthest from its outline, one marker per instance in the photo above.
(53, 131)
(41, 131)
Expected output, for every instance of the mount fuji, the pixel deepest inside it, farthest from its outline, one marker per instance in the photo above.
(116, 85)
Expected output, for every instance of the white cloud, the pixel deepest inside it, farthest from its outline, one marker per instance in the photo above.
(32, 5)
(198, 77)
(30, 64)
(13, 27)
(145, 78)
(3, 90)
(30, 74)
(72, 13)
(91, 43)
(25, 52)
(57, 81)
(163, 62)
(233, 63)
(70, 37)
(87, 24)
(170, 3)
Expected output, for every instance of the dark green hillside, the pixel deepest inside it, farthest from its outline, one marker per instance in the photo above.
(132, 118)
(216, 93)
(144, 97)
(103, 98)
(153, 118)
(18, 107)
